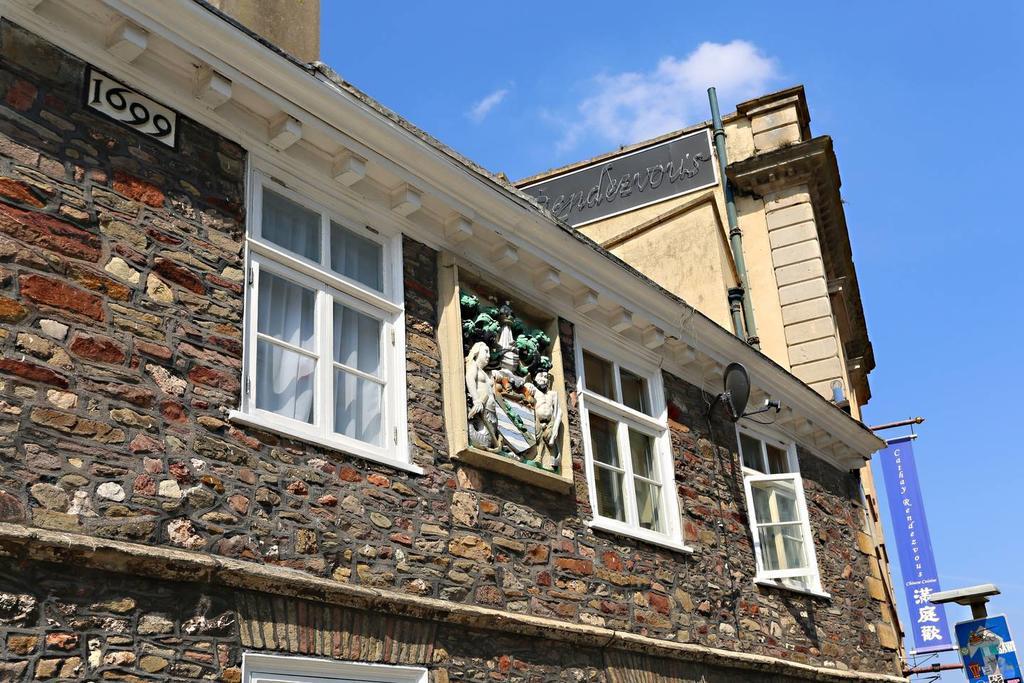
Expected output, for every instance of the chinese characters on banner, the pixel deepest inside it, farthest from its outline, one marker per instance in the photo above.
(914, 546)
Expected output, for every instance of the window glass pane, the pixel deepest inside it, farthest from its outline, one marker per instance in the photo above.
(357, 257)
(608, 485)
(356, 340)
(357, 407)
(284, 381)
(800, 583)
(598, 375)
(286, 311)
(750, 448)
(602, 440)
(774, 501)
(785, 500)
(634, 391)
(762, 503)
(291, 225)
(648, 505)
(641, 449)
(793, 543)
(782, 547)
(778, 459)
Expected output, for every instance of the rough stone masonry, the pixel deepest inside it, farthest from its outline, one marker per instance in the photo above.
(121, 298)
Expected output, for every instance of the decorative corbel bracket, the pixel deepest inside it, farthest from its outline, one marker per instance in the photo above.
(406, 200)
(653, 338)
(211, 88)
(585, 301)
(348, 167)
(621, 320)
(505, 255)
(547, 279)
(127, 40)
(458, 228)
(284, 131)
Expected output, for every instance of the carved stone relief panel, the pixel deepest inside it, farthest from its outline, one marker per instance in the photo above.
(505, 407)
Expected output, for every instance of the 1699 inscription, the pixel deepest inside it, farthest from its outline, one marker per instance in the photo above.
(114, 100)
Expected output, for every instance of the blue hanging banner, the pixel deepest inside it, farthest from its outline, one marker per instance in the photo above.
(914, 547)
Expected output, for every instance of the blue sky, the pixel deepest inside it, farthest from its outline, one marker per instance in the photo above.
(924, 102)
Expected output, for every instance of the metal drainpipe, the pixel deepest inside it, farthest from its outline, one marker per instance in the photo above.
(735, 235)
(736, 309)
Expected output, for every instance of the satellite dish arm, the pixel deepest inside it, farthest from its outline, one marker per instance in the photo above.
(711, 408)
(768, 405)
(725, 398)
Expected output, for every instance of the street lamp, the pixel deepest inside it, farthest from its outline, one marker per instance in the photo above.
(973, 596)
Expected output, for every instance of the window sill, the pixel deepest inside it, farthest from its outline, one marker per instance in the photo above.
(654, 539)
(772, 583)
(288, 668)
(344, 448)
(515, 469)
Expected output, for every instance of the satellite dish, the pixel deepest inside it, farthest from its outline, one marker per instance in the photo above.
(737, 389)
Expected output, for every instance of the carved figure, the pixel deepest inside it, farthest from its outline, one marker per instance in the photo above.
(483, 417)
(547, 410)
(512, 410)
(528, 346)
(507, 343)
(483, 327)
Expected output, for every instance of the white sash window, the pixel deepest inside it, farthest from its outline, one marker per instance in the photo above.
(628, 452)
(270, 668)
(783, 545)
(323, 327)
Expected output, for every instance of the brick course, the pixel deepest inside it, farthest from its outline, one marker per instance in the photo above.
(121, 269)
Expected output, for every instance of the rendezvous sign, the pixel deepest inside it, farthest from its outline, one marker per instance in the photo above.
(987, 651)
(623, 183)
(914, 546)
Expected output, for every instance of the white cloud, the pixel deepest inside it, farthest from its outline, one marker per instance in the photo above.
(630, 107)
(479, 111)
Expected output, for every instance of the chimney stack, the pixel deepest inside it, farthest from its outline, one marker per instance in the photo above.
(292, 25)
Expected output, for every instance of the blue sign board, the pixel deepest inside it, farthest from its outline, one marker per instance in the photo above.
(914, 547)
(987, 651)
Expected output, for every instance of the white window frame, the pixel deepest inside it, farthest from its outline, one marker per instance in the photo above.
(271, 668)
(654, 425)
(330, 286)
(777, 578)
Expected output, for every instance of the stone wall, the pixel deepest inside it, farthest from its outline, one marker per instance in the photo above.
(127, 628)
(121, 281)
(731, 611)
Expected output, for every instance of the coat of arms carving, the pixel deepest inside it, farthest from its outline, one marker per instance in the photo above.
(512, 402)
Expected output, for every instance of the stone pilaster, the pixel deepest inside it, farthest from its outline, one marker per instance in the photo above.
(812, 339)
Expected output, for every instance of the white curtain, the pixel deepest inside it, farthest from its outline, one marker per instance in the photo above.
(648, 495)
(284, 378)
(608, 482)
(291, 225)
(356, 257)
(358, 410)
